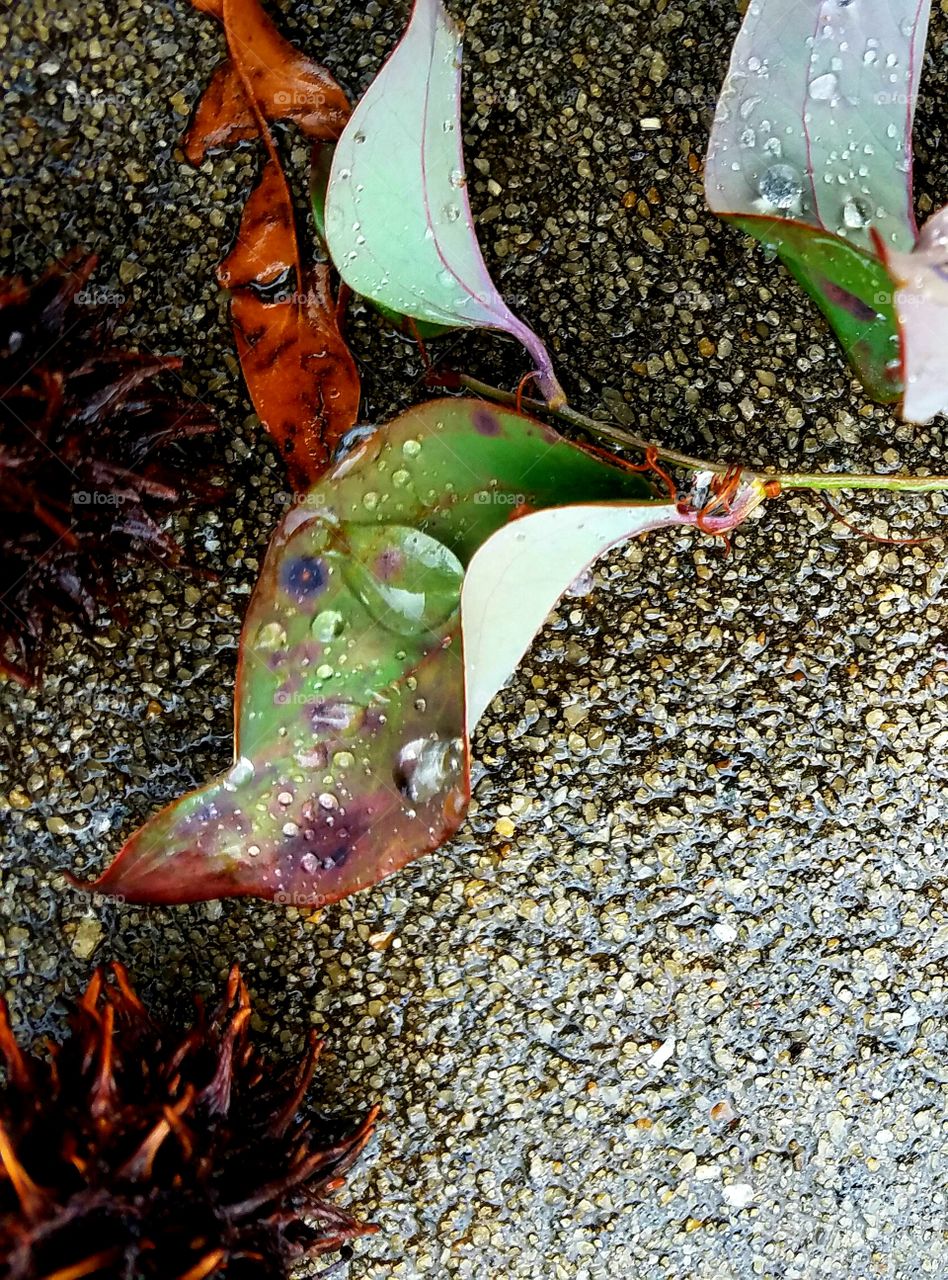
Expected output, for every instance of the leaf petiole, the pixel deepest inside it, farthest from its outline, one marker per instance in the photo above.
(813, 481)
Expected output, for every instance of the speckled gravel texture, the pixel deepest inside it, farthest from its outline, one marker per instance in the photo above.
(673, 1004)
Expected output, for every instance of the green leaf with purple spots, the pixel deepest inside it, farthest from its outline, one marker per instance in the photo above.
(359, 652)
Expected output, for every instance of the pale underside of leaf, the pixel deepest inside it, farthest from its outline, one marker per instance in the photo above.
(814, 120)
(519, 574)
(398, 217)
(517, 577)
(921, 301)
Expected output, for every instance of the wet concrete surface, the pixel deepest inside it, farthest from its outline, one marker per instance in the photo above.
(673, 1003)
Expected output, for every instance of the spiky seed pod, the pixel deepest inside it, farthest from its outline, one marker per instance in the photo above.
(87, 466)
(130, 1152)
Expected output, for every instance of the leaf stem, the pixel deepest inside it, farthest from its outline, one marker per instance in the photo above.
(814, 481)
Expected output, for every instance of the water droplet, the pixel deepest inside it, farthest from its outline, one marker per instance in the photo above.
(824, 88)
(290, 829)
(324, 671)
(780, 187)
(448, 126)
(328, 801)
(309, 863)
(343, 760)
(451, 212)
(285, 797)
(314, 759)
(408, 581)
(457, 178)
(855, 213)
(411, 448)
(241, 771)
(370, 500)
(359, 137)
(270, 636)
(428, 766)
(328, 625)
(400, 479)
(344, 174)
(583, 585)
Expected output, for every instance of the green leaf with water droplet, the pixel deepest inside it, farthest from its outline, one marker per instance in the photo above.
(398, 219)
(814, 120)
(394, 601)
(321, 165)
(811, 153)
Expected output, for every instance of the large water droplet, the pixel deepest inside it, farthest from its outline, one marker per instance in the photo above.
(408, 581)
(272, 635)
(780, 187)
(427, 767)
(824, 88)
(328, 625)
(855, 213)
(241, 771)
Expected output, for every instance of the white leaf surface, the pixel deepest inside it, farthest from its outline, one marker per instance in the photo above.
(518, 575)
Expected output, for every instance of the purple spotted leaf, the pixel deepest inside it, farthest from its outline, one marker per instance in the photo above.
(397, 216)
(811, 152)
(395, 600)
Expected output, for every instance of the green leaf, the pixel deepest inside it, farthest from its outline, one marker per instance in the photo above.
(407, 583)
(321, 164)
(854, 291)
(398, 219)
